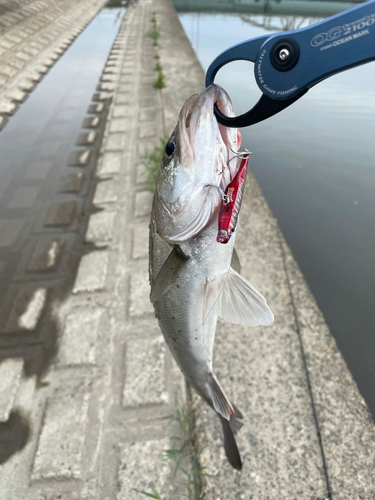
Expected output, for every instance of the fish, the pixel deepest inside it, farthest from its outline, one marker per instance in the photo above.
(194, 277)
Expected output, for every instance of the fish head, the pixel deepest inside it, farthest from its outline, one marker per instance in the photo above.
(200, 154)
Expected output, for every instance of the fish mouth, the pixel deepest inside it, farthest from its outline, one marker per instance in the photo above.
(199, 131)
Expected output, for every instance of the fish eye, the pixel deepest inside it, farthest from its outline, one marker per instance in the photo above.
(169, 148)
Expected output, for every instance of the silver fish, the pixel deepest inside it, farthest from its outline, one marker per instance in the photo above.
(192, 280)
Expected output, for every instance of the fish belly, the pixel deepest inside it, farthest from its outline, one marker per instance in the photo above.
(180, 309)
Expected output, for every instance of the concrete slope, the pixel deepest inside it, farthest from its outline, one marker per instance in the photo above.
(262, 368)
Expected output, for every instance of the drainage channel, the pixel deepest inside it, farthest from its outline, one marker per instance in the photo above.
(48, 153)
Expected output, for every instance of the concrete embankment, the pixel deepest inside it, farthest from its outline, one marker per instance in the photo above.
(33, 35)
(100, 418)
(261, 368)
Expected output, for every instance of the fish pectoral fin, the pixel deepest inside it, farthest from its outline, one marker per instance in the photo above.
(235, 264)
(240, 302)
(220, 400)
(168, 272)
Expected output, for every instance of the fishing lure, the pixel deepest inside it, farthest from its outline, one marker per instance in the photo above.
(231, 204)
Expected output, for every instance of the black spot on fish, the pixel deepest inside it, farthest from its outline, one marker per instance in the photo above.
(174, 339)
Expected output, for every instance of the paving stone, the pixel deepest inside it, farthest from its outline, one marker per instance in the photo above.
(147, 115)
(17, 63)
(141, 174)
(91, 122)
(119, 125)
(26, 84)
(120, 110)
(147, 102)
(31, 50)
(38, 169)
(140, 250)
(106, 192)
(140, 461)
(61, 214)
(59, 453)
(46, 256)
(26, 310)
(71, 183)
(116, 142)
(92, 272)
(123, 99)
(147, 130)
(100, 228)
(145, 381)
(101, 96)
(7, 106)
(8, 71)
(5, 43)
(9, 230)
(86, 138)
(127, 79)
(110, 164)
(139, 302)
(95, 108)
(125, 88)
(79, 158)
(106, 86)
(3, 80)
(143, 203)
(108, 77)
(24, 197)
(79, 339)
(10, 375)
(24, 56)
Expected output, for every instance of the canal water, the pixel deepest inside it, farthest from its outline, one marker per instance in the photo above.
(315, 163)
(39, 181)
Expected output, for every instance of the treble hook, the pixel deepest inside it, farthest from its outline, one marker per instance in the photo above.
(224, 196)
(238, 154)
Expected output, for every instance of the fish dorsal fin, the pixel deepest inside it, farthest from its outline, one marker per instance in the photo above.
(240, 302)
(168, 272)
(220, 400)
(235, 264)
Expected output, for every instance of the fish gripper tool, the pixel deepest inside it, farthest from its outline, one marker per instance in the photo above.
(288, 64)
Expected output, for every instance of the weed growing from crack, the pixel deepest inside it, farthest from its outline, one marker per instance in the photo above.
(185, 453)
(159, 83)
(151, 160)
(154, 33)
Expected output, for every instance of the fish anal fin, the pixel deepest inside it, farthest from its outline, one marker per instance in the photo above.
(168, 272)
(240, 302)
(220, 400)
(235, 264)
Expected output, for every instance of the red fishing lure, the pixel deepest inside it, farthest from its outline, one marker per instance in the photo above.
(230, 206)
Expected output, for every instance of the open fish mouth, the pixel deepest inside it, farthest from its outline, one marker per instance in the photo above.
(202, 138)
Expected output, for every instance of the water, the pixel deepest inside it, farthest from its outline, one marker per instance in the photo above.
(36, 143)
(315, 165)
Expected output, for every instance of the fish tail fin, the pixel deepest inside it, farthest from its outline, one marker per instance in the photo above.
(230, 427)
